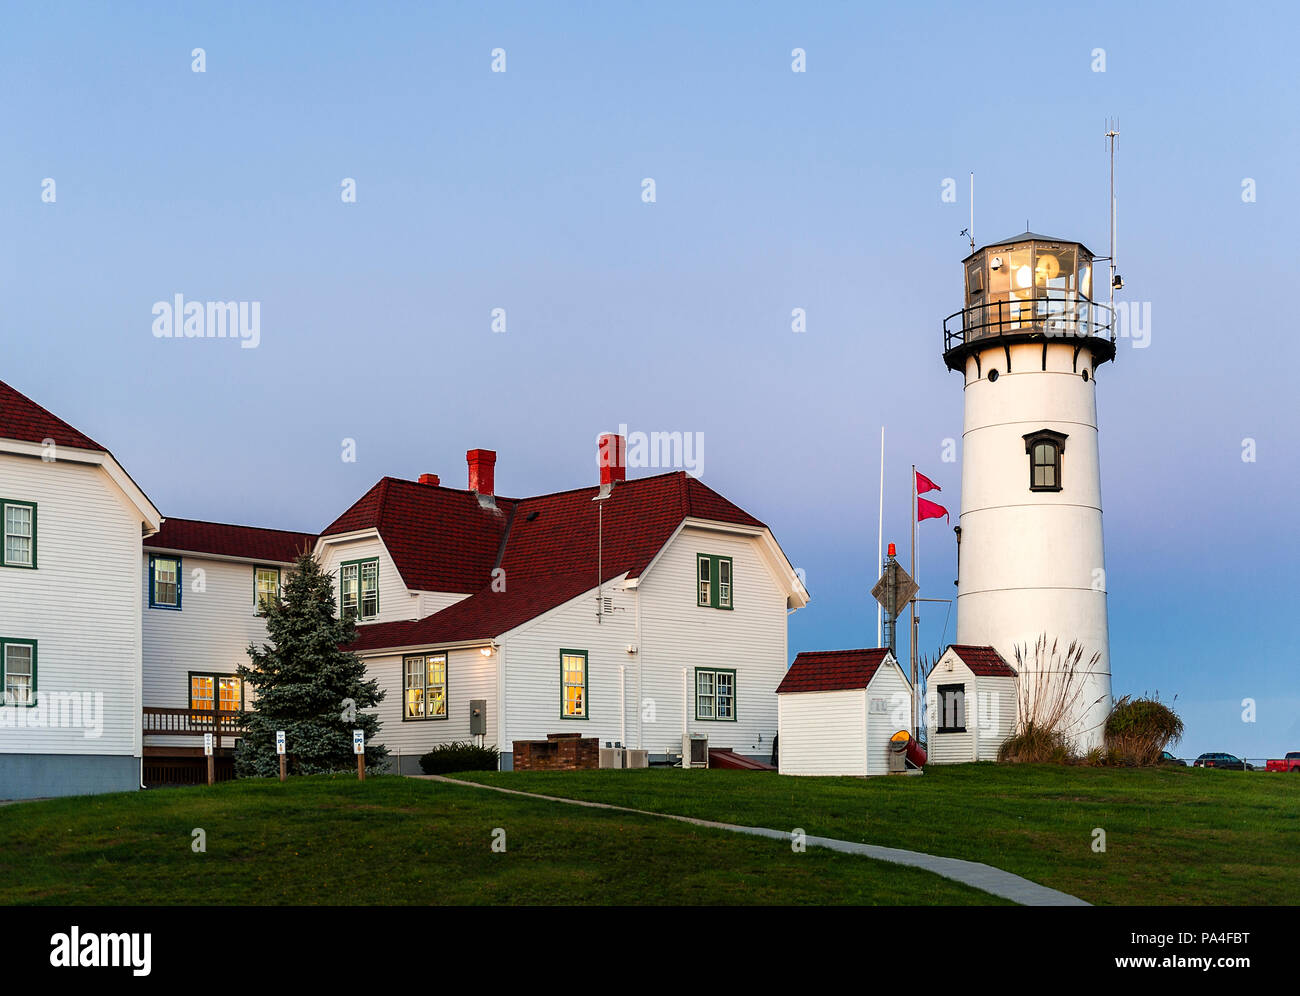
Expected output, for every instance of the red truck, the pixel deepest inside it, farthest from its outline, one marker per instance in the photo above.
(1289, 763)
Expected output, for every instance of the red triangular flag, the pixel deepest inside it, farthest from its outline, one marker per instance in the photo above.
(924, 484)
(929, 510)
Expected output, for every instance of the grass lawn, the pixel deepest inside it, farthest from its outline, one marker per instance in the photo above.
(1173, 835)
(397, 841)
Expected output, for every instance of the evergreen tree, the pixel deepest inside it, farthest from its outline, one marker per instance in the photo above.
(307, 685)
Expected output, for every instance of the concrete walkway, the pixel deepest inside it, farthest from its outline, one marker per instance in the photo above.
(978, 876)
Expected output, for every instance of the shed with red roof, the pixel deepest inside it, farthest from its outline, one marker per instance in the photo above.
(971, 701)
(837, 709)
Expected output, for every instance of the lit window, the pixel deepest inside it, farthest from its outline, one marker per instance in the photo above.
(715, 694)
(223, 690)
(18, 664)
(19, 522)
(164, 582)
(266, 586)
(573, 679)
(426, 687)
(713, 587)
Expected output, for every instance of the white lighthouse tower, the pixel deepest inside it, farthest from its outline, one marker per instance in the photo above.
(1030, 557)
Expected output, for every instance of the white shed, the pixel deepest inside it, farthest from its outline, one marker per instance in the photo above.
(837, 709)
(970, 705)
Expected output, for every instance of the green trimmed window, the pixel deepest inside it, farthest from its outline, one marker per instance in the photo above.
(18, 672)
(164, 582)
(266, 586)
(715, 694)
(359, 588)
(713, 587)
(573, 684)
(225, 690)
(18, 520)
(426, 686)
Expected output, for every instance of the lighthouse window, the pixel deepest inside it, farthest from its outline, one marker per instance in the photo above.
(1045, 448)
(1047, 467)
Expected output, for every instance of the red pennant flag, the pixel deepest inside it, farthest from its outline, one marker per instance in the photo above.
(929, 510)
(924, 484)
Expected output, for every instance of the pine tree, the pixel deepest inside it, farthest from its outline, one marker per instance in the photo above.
(307, 685)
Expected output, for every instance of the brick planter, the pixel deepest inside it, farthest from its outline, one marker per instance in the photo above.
(558, 752)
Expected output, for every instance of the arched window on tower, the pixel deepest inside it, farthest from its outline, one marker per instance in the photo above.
(1045, 448)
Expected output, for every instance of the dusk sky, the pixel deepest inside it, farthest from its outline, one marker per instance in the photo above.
(774, 190)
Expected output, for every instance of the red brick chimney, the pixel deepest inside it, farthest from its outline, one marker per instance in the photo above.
(482, 470)
(611, 454)
(430, 479)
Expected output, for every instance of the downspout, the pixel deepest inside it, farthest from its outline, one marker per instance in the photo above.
(640, 674)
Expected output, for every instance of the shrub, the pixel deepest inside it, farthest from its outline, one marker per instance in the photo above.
(1137, 730)
(460, 756)
(1036, 744)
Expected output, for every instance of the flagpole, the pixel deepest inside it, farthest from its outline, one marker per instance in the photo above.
(912, 603)
(880, 538)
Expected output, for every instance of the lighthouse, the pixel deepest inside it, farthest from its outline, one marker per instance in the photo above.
(1028, 343)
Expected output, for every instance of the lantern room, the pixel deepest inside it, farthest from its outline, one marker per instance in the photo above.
(1028, 288)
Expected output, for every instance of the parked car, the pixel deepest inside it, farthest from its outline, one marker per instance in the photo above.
(1225, 762)
(1167, 758)
(1289, 763)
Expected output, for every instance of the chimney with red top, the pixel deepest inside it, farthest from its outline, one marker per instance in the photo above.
(611, 455)
(430, 479)
(482, 470)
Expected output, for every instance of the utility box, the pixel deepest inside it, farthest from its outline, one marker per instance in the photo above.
(636, 759)
(611, 757)
(478, 717)
(695, 750)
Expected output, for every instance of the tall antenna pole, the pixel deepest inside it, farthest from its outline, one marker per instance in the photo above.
(1112, 133)
(972, 211)
(880, 538)
(912, 604)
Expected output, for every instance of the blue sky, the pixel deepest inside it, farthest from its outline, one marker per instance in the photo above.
(775, 190)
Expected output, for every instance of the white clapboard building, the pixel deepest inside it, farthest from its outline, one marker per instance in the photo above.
(631, 611)
(70, 635)
(971, 699)
(837, 710)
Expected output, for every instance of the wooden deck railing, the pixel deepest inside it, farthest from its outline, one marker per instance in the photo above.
(190, 722)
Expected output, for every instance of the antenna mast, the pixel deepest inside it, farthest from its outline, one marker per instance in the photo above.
(971, 230)
(1112, 133)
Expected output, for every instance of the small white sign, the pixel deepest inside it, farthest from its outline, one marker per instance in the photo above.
(279, 741)
(207, 743)
(358, 741)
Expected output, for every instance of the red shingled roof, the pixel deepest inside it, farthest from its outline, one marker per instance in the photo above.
(440, 539)
(252, 542)
(832, 670)
(984, 661)
(549, 553)
(23, 419)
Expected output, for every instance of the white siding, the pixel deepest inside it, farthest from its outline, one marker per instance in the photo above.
(996, 701)
(888, 684)
(532, 663)
(81, 604)
(210, 633)
(678, 633)
(396, 601)
(951, 748)
(470, 675)
(823, 733)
